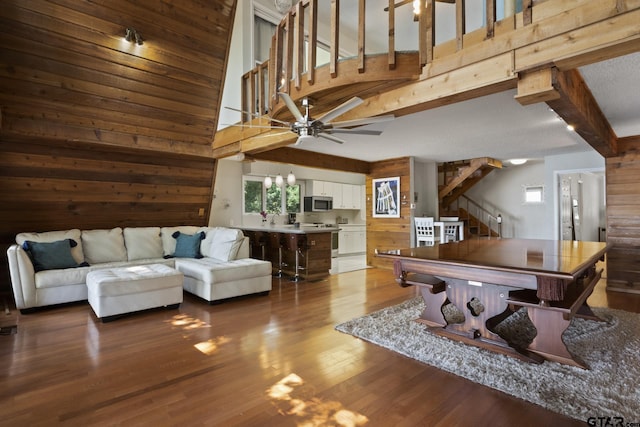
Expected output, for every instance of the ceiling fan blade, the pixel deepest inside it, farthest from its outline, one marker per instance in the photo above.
(340, 110)
(355, 131)
(331, 138)
(292, 107)
(258, 115)
(363, 121)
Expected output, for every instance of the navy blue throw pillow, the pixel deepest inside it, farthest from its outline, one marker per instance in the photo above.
(51, 255)
(188, 246)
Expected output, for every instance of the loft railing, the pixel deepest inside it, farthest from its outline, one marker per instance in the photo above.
(296, 44)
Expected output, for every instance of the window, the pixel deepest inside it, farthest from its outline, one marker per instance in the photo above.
(273, 200)
(263, 31)
(533, 193)
(252, 196)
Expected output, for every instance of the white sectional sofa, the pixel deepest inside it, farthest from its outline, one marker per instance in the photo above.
(51, 267)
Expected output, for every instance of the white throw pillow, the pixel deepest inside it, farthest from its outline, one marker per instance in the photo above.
(222, 243)
(143, 242)
(104, 245)
(53, 236)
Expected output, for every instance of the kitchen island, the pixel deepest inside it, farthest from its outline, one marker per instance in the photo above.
(314, 256)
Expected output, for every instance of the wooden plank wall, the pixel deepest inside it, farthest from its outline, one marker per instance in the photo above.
(623, 216)
(389, 233)
(97, 132)
(57, 187)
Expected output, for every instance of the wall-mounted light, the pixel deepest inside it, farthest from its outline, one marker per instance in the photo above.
(416, 10)
(132, 35)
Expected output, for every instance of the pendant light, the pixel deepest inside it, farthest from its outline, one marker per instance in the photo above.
(291, 178)
(279, 180)
(268, 182)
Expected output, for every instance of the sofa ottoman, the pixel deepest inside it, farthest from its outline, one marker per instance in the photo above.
(116, 291)
(214, 280)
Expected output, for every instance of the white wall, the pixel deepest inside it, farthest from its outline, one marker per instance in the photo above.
(502, 192)
(226, 208)
(239, 62)
(426, 187)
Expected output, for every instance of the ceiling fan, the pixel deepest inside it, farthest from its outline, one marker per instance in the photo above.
(308, 128)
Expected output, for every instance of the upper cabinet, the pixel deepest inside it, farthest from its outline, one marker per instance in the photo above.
(345, 196)
(320, 188)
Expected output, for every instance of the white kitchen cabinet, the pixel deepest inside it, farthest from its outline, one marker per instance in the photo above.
(354, 200)
(336, 193)
(352, 240)
(320, 188)
(345, 196)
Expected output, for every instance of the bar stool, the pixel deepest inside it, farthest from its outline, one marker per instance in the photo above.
(260, 239)
(297, 243)
(277, 241)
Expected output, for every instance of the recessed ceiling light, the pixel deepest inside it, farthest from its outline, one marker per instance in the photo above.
(518, 161)
(571, 128)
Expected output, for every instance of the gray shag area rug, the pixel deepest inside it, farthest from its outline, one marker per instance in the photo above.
(610, 388)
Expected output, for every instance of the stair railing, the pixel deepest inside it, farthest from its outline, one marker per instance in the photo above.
(491, 220)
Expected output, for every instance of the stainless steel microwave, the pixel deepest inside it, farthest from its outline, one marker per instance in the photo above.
(318, 204)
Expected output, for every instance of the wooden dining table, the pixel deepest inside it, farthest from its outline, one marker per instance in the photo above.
(489, 279)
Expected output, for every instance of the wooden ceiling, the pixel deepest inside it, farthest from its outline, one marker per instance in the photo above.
(69, 74)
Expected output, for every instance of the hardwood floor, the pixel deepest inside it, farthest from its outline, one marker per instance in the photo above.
(273, 360)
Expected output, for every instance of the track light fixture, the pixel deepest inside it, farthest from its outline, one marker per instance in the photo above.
(132, 35)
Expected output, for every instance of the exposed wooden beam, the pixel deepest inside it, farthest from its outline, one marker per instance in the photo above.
(577, 106)
(314, 160)
(573, 44)
(486, 77)
(227, 150)
(568, 95)
(268, 141)
(537, 86)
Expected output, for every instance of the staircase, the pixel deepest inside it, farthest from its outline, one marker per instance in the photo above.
(457, 178)
(474, 227)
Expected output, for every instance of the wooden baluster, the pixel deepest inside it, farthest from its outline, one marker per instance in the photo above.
(361, 34)
(335, 37)
(392, 35)
(313, 40)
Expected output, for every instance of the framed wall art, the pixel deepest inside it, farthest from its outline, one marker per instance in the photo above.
(386, 197)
